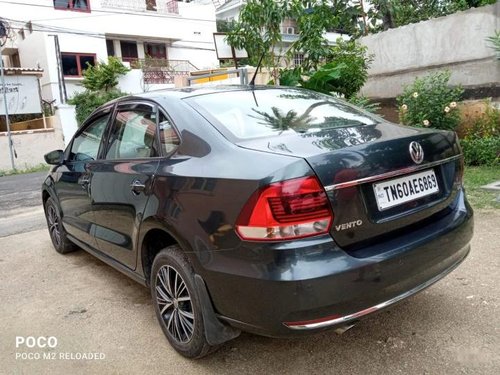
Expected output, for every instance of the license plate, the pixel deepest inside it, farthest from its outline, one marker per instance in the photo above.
(405, 189)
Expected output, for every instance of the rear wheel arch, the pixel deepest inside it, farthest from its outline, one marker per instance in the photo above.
(155, 240)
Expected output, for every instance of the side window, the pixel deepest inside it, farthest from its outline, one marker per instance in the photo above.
(86, 145)
(169, 140)
(133, 134)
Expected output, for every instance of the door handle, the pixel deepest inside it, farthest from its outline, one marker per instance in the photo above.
(84, 181)
(137, 187)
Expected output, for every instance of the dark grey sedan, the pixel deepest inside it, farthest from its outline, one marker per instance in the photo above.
(275, 211)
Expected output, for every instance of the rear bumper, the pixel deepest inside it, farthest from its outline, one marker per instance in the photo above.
(347, 319)
(287, 289)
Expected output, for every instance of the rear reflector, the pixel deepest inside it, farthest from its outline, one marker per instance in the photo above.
(286, 210)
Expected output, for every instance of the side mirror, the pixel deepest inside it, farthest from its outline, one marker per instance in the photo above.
(54, 157)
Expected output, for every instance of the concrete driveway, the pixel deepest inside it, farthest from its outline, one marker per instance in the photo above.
(95, 312)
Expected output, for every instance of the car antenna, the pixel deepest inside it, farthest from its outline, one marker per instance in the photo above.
(252, 82)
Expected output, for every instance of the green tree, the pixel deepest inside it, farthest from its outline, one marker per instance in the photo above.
(316, 17)
(103, 76)
(344, 73)
(258, 29)
(100, 82)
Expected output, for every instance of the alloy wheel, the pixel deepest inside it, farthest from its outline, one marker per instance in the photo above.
(174, 303)
(53, 221)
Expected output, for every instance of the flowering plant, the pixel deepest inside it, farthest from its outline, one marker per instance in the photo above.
(430, 102)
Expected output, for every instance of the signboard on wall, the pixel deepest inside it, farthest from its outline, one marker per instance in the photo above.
(23, 95)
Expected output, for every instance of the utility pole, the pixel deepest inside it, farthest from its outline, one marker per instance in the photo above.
(60, 75)
(3, 40)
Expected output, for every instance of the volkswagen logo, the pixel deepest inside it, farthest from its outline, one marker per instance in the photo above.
(416, 152)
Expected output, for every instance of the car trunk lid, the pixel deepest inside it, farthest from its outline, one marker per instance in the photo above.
(350, 160)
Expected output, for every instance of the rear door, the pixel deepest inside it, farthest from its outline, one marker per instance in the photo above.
(121, 183)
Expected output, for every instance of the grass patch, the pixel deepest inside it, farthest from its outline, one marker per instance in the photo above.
(36, 168)
(474, 178)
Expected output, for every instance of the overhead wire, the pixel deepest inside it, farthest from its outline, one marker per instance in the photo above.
(107, 12)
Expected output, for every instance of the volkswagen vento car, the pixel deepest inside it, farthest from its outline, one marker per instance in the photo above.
(277, 211)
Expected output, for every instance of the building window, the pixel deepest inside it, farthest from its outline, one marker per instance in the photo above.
(74, 64)
(155, 50)
(129, 51)
(298, 59)
(110, 46)
(79, 5)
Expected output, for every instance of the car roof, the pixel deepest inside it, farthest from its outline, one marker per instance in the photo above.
(186, 92)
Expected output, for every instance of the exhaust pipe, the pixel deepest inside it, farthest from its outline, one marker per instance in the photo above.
(344, 329)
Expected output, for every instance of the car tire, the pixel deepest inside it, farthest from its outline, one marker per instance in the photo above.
(57, 233)
(177, 304)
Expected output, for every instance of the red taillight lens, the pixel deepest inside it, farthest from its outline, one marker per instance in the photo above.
(286, 210)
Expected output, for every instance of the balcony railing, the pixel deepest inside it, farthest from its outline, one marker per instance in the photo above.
(161, 71)
(159, 6)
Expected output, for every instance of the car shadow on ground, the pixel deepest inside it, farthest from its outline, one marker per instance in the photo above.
(381, 337)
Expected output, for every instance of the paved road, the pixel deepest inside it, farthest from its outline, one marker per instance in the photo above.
(451, 328)
(21, 203)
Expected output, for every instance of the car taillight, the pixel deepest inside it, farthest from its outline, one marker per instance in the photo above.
(286, 210)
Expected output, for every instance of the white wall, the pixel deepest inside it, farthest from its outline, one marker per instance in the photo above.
(133, 83)
(456, 42)
(200, 58)
(67, 121)
(30, 146)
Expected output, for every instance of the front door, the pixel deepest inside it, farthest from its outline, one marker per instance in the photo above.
(121, 182)
(74, 184)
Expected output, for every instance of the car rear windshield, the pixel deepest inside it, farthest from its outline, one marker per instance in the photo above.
(268, 112)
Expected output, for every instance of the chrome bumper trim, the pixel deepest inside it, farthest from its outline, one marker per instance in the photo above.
(383, 176)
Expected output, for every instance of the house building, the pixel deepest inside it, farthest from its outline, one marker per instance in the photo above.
(229, 11)
(158, 39)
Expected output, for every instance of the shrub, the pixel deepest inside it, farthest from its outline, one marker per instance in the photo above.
(344, 74)
(486, 126)
(88, 101)
(430, 102)
(365, 103)
(481, 151)
(352, 60)
(481, 138)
